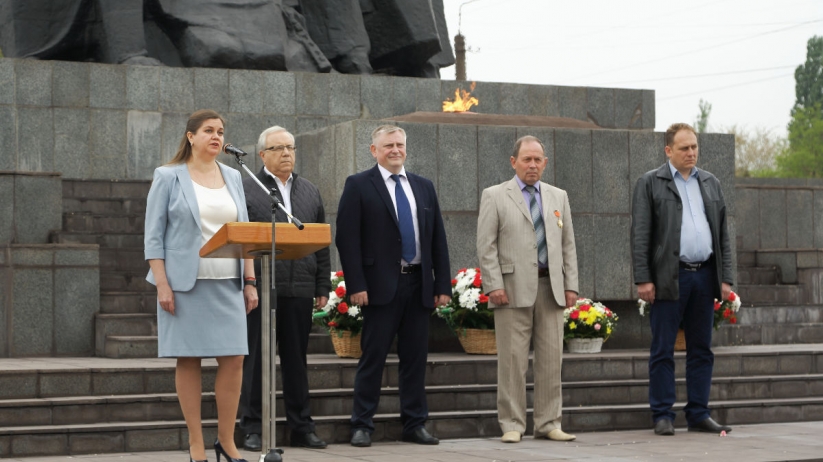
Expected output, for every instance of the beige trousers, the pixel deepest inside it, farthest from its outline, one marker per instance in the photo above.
(514, 330)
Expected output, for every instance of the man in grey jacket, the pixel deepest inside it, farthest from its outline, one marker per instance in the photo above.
(297, 283)
(682, 262)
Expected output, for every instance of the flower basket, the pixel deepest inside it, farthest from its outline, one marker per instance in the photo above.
(680, 340)
(584, 345)
(468, 314)
(339, 314)
(477, 341)
(345, 344)
(588, 320)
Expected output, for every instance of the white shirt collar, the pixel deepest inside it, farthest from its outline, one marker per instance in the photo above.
(386, 174)
(275, 178)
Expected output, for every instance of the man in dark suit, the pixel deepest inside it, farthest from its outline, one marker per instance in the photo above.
(298, 282)
(392, 246)
(682, 262)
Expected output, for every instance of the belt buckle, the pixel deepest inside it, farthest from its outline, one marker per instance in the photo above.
(408, 269)
(693, 267)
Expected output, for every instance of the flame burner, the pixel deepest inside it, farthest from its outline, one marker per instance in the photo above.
(473, 118)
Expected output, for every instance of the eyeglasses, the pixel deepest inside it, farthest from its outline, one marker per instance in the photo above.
(281, 148)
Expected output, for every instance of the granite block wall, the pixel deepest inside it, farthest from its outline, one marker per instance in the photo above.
(598, 168)
(99, 121)
(49, 294)
(30, 208)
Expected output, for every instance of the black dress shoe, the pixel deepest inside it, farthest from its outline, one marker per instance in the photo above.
(420, 436)
(361, 439)
(253, 442)
(708, 425)
(664, 427)
(306, 440)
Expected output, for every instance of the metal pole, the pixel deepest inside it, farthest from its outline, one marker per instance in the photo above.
(267, 349)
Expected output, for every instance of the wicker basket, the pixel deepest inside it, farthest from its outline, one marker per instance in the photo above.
(584, 345)
(680, 341)
(345, 345)
(477, 341)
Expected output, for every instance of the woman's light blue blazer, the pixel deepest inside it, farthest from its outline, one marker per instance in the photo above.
(172, 230)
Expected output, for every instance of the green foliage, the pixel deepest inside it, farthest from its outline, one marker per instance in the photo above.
(809, 78)
(755, 150)
(701, 123)
(804, 157)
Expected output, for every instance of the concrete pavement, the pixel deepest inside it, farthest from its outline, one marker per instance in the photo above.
(801, 441)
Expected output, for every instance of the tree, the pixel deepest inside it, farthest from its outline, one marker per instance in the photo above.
(756, 150)
(804, 158)
(809, 78)
(701, 123)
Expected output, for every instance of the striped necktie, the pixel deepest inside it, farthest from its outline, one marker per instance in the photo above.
(539, 228)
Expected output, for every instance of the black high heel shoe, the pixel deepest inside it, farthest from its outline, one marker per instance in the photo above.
(218, 450)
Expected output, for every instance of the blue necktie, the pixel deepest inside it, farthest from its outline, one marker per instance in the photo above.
(404, 219)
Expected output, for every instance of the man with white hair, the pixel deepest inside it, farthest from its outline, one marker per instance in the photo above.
(298, 282)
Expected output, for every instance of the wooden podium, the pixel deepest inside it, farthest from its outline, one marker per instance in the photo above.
(254, 240)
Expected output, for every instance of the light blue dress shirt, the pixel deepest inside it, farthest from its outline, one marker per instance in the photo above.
(695, 234)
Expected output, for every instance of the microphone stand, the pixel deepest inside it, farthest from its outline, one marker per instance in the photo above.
(268, 340)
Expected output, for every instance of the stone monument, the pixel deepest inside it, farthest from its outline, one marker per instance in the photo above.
(397, 37)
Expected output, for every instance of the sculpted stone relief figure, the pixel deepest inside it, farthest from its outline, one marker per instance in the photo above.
(398, 37)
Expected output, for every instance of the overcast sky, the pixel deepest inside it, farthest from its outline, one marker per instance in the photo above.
(739, 55)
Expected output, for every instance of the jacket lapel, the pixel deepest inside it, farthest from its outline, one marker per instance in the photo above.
(549, 205)
(516, 195)
(666, 173)
(187, 186)
(380, 186)
(418, 199)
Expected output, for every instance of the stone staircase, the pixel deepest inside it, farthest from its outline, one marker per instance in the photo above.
(96, 405)
(62, 406)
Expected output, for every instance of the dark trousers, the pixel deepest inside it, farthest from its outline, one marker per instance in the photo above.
(293, 327)
(695, 309)
(405, 317)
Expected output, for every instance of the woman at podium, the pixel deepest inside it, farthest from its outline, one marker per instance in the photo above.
(201, 303)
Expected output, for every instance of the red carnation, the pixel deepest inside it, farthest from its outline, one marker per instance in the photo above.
(339, 274)
(727, 313)
(343, 308)
(483, 298)
(574, 314)
(733, 320)
(332, 324)
(340, 291)
(608, 312)
(732, 296)
(585, 307)
(454, 282)
(477, 281)
(716, 305)
(463, 270)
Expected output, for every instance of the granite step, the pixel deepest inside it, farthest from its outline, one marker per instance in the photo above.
(130, 346)
(774, 294)
(104, 240)
(122, 324)
(777, 333)
(103, 223)
(119, 302)
(441, 398)
(124, 281)
(171, 434)
(106, 189)
(126, 259)
(104, 205)
(757, 275)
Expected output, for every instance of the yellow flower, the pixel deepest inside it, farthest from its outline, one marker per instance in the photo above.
(608, 330)
(590, 320)
(572, 325)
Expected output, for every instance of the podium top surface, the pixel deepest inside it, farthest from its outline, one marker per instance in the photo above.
(251, 239)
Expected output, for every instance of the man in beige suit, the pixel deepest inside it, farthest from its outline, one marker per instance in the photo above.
(525, 244)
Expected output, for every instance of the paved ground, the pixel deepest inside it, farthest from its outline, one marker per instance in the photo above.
(747, 443)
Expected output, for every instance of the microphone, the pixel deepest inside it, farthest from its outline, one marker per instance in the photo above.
(232, 151)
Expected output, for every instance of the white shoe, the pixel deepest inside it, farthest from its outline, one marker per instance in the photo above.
(511, 437)
(559, 435)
